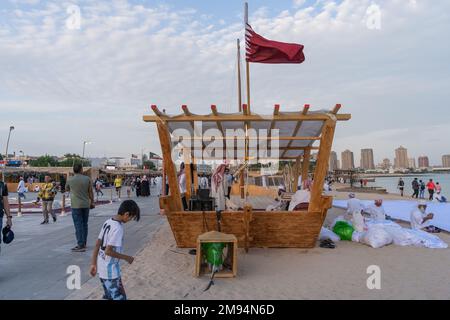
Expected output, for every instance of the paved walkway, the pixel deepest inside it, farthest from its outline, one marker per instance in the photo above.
(34, 265)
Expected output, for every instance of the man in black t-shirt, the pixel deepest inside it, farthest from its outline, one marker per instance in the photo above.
(4, 206)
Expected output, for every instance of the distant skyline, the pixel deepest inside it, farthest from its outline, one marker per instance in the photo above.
(61, 86)
(420, 161)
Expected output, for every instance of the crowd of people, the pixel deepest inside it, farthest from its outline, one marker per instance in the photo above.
(419, 187)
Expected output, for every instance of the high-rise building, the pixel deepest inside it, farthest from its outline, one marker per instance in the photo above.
(386, 164)
(367, 159)
(348, 161)
(446, 161)
(412, 163)
(424, 162)
(333, 161)
(401, 158)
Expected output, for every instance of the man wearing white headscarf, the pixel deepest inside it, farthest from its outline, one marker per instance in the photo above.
(419, 216)
(219, 187)
(353, 204)
(376, 210)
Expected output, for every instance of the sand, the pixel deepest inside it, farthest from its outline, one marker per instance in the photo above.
(162, 271)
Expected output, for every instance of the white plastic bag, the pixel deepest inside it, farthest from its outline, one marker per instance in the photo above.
(376, 237)
(328, 234)
(356, 236)
(402, 237)
(426, 240)
(358, 221)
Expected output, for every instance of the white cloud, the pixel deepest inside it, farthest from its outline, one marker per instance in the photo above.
(98, 81)
(298, 3)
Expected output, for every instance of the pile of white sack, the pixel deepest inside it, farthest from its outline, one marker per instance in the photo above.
(378, 234)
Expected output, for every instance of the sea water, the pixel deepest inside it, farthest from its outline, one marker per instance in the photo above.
(390, 183)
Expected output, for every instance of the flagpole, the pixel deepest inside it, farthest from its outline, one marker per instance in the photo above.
(239, 76)
(247, 64)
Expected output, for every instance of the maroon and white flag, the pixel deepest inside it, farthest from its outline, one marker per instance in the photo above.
(262, 50)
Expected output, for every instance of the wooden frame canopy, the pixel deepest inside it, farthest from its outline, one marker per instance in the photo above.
(298, 131)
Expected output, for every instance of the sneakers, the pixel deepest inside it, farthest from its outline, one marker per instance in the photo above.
(78, 249)
(327, 243)
(44, 222)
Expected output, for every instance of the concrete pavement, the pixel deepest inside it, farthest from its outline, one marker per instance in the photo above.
(34, 265)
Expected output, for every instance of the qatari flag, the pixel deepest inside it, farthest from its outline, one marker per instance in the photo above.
(262, 50)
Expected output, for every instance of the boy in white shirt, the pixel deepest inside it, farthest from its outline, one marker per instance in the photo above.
(108, 251)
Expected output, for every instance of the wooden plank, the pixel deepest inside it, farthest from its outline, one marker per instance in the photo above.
(280, 229)
(322, 165)
(243, 118)
(169, 166)
(253, 138)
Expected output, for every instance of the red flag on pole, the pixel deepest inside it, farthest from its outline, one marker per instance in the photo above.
(262, 50)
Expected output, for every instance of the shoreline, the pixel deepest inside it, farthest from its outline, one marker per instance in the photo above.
(395, 175)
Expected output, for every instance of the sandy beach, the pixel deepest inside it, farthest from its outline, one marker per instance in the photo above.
(162, 271)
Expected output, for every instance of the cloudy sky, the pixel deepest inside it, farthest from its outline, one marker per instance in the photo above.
(61, 85)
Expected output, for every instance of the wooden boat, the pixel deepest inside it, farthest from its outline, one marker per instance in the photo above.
(299, 131)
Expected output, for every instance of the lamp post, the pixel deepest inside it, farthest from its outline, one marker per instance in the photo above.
(84, 148)
(11, 128)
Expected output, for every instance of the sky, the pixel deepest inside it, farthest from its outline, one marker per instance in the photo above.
(385, 61)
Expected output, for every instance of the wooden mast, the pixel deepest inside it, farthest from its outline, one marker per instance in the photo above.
(239, 75)
(247, 64)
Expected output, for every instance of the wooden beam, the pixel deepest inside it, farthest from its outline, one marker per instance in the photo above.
(322, 165)
(209, 138)
(243, 118)
(157, 112)
(276, 112)
(336, 109)
(169, 166)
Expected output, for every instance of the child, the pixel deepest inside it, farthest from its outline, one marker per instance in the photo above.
(108, 251)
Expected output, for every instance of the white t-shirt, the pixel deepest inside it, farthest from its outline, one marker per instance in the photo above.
(111, 234)
(417, 218)
(376, 213)
(354, 205)
(21, 187)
